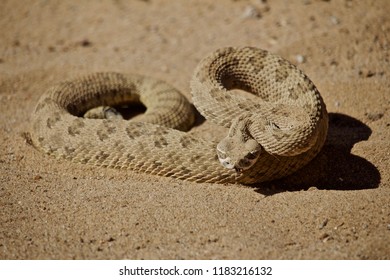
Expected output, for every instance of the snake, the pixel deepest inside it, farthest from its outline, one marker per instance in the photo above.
(278, 128)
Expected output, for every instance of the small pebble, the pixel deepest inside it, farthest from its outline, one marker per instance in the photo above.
(349, 4)
(324, 223)
(251, 12)
(85, 43)
(366, 73)
(336, 227)
(374, 116)
(37, 177)
(300, 58)
(325, 237)
(334, 20)
(273, 41)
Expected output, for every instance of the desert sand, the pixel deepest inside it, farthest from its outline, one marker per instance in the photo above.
(338, 207)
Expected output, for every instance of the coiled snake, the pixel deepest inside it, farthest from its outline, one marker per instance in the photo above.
(270, 136)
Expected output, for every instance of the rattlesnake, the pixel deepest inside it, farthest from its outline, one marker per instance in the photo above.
(271, 136)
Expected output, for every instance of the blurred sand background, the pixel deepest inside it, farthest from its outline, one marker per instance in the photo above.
(338, 207)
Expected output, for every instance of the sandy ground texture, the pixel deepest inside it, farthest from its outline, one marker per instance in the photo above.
(338, 207)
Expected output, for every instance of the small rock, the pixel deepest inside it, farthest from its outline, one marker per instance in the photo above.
(37, 177)
(325, 237)
(374, 116)
(323, 224)
(85, 43)
(251, 12)
(349, 3)
(366, 73)
(334, 20)
(336, 227)
(283, 22)
(300, 58)
(273, 40)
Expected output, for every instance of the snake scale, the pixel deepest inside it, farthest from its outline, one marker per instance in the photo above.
(270, 136)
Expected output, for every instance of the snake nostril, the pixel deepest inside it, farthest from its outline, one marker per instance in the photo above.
(227, 164)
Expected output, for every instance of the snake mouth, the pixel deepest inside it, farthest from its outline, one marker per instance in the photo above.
(239, 166)
(238, 169)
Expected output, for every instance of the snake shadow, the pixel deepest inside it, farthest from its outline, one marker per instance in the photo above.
(334, 168)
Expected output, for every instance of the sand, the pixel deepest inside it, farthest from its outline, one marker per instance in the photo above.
(338, 207)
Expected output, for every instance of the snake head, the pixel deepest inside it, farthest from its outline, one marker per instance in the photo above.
(234, 153)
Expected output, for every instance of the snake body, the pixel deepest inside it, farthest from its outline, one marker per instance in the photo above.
(270, 136)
